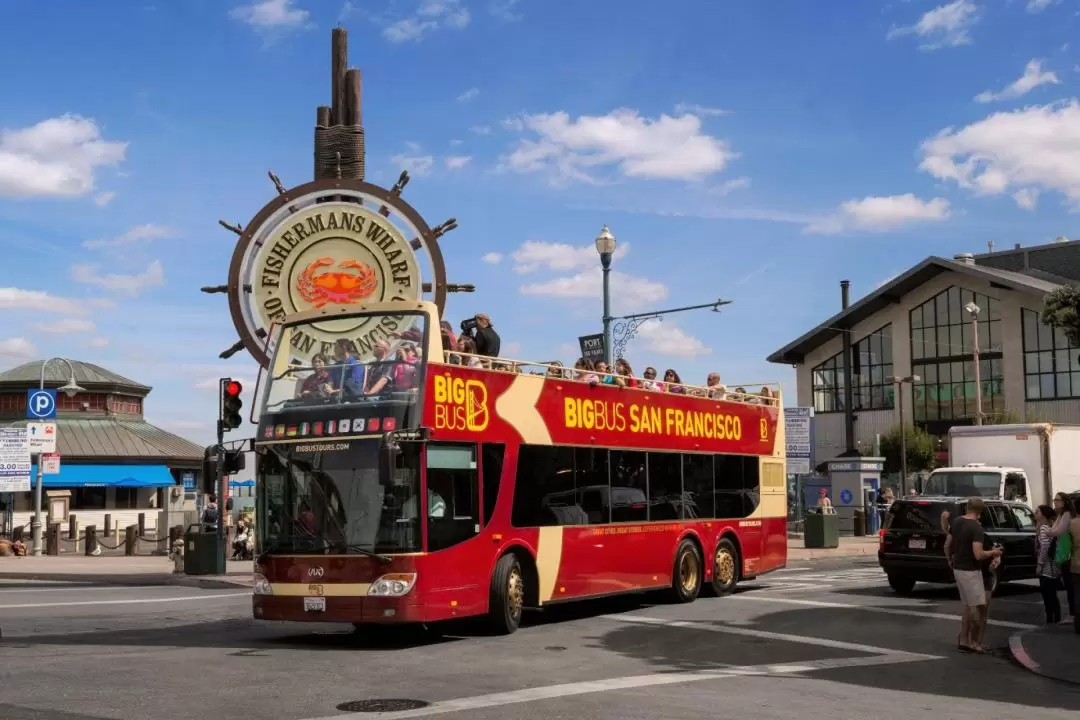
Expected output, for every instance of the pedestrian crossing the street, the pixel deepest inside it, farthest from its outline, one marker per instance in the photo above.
(793, 580)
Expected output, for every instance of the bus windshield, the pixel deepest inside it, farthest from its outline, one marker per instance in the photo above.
(963, 484)
(329, 497)
(364, 360)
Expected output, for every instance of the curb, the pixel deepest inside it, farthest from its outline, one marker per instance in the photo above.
(209, 583)
(135, 580)
(1021, 656)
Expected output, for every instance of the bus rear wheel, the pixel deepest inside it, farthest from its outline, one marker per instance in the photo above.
(686, 578)
(507, 599)
(725, 568)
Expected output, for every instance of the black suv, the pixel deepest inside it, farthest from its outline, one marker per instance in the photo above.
(912, 545)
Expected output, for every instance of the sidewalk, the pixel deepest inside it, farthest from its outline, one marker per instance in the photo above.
(105, 570)
(849, 547)
(1053, 652)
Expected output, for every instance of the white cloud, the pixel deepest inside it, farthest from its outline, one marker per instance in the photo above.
(628, 292)
(18, 299)
(481, 129)
(132, 284)
(429, 16)
(1026, 198)
(55, 158)
(69, 325)
(504, 10)
(456, 162)
(534, 255)
(98, 342)
(470, 94)
(944, 26)
(493, 258)
(573, 149)
(881, 214)
(270, 15)
(665, 338)
(416, 163)
(104, 198)
(1037, 6)
(16, 350)
(136, 234)
(699, 110)
(1033, 77)
(727, 187)
(1034, 147)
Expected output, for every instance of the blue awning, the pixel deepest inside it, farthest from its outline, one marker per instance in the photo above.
(241, 483)
(136, 476)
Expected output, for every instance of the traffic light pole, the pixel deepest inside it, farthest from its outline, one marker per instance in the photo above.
(221, 485)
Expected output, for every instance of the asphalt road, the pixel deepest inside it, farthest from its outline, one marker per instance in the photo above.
(825, 640)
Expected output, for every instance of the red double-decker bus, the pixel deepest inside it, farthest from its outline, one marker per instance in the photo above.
(409, 488)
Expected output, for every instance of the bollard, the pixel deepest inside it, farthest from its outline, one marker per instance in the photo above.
(17, 535)
(91, 539)
(52, 539)
(142, 524)
(131, 538)
(108, 525)
(73, 527)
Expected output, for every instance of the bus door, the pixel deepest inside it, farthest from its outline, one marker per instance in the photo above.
(453, 494)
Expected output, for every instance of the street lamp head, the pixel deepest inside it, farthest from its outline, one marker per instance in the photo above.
(71, 388)
(972, 308)
(605, 242)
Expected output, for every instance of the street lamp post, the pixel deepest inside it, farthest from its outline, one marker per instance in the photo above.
(605, 245)
(899, 382)
(71, 389)
(973, 310)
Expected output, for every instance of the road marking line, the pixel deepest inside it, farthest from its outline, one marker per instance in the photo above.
(551, 692)
(83, 588)
(879, 610)
(769, 635)
(791, 570)
(124, 602)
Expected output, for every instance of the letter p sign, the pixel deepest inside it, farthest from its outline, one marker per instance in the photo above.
(41, 404)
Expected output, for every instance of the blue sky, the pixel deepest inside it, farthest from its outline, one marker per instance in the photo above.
(754, 150)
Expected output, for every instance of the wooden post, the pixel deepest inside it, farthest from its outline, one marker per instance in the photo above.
(339, 60)
(91, 539)
(108, 525)
(354, 104)
(322, 116)
(142, 524)
(73, 527)
(131, 539)
(52, 542)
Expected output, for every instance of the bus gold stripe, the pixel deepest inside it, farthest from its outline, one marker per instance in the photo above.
(517, 406)
(548, 559)
(320, 589)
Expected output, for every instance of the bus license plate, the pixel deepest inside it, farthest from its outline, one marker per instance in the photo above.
(917, 544)
(314, 604)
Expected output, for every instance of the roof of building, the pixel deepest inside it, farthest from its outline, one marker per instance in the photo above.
(893, 292)
(101, 438)
(87, 375)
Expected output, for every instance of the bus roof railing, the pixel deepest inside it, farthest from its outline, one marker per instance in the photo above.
(555, 369)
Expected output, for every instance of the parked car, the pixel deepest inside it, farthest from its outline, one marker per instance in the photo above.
(912, 547)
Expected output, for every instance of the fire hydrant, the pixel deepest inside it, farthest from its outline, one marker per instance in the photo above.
(177, 556)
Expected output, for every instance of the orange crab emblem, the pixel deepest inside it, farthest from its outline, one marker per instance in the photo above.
(349, 282)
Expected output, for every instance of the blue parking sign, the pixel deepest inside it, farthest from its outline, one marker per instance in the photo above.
(41, 404)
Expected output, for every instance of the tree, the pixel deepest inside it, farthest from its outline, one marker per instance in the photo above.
(1061, 309)
(921, 449)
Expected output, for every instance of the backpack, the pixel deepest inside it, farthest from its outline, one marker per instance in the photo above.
(1062, 552)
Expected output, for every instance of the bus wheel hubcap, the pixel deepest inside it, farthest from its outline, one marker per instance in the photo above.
(725, 566)
(515, 594)
(688, 572)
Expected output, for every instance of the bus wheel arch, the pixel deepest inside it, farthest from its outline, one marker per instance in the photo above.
(726, 565)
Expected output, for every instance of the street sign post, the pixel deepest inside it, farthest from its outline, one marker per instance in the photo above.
(42, 437)
(41, 404)
(798, 422)
(14, 460)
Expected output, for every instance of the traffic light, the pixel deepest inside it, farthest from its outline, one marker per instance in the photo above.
(230, 404)
(235, 461)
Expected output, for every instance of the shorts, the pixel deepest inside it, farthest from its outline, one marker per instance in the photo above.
(970, 585)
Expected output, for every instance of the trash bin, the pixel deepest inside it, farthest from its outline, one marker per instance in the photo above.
(859, 524)
(821, 531)
(203, 552)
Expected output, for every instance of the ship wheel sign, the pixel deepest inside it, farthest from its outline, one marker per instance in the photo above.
(331, 242)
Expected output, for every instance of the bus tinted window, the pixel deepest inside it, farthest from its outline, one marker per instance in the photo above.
(697, 486)
(629, 487)
(544, 492)
(591, 482)
(728, 482)
(751, 485)
(665, 486)
(492, 466)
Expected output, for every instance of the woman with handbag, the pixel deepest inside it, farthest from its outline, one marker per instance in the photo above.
(1067, 531)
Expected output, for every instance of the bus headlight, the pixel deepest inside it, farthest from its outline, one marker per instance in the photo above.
(392, 585)
(262, 586)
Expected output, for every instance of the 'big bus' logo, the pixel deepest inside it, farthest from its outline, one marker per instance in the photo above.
(460, 404)
(333, 253)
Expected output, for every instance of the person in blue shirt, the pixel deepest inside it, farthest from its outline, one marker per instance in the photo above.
(349, 371)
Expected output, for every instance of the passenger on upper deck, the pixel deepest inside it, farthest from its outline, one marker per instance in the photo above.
(382, 371)
(674, 382)
(350, 374)
(320, 383)
(650, 382)
(486, 339)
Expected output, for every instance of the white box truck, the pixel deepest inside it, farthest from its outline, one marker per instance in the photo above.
(1029, 462)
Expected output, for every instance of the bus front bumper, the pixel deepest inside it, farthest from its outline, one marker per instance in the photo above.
(386, 610)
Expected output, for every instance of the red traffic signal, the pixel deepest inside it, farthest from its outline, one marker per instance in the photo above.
(231, 402)
(233, 388)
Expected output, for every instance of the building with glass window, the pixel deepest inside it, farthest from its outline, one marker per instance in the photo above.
(111, 460)
(917, 324)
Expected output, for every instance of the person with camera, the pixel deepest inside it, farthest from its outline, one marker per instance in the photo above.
(480, 330)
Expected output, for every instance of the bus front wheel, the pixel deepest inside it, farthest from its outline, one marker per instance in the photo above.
(507, 596)
(686, 578)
